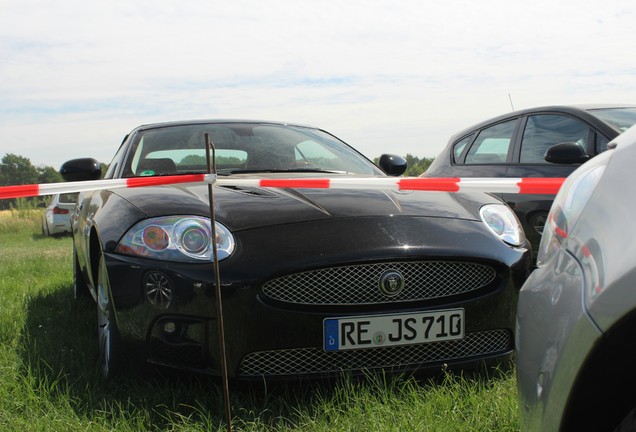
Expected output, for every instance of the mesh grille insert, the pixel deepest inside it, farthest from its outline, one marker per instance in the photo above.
(317, 361)
(359, 284)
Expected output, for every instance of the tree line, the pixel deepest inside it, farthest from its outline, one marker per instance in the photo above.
(18, 170)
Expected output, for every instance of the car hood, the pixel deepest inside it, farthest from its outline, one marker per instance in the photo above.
(240, 207)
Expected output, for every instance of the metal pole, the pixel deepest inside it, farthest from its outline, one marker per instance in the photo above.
(217, 282)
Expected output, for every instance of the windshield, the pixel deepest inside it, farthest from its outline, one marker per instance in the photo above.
(242, 148)
(619, 118)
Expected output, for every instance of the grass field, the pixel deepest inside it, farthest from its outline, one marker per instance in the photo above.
(49, 379)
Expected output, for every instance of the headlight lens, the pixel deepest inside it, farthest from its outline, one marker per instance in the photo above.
(568, 205)
(176, 238)
(503, 223)
(192, 236)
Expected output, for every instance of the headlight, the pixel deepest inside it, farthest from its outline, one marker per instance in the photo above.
(502, 222)
(176, 238)
(568, 204)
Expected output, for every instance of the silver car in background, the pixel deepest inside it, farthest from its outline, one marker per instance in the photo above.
(576, 318)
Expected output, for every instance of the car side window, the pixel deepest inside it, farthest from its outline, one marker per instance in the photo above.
(601, 143)
(492, 144)
(458, 148)
(545, 130)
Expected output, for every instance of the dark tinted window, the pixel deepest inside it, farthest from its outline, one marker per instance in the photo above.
(492, 144)
(545, 130)
(459, 147)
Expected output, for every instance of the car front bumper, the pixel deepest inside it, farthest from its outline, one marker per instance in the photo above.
(278, 332)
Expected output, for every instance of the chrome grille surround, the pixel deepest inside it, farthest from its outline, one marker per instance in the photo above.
(359, 284)
(315, 360)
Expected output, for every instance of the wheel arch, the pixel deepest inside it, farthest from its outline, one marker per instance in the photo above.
(604, 390)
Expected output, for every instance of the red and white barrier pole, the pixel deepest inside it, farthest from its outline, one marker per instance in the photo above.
(21, 191)
(548, 186)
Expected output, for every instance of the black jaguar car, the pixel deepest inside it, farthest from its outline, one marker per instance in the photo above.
(516, 145)
(313, 282)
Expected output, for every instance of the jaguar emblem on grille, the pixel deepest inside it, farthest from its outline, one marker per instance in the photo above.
(391, 283)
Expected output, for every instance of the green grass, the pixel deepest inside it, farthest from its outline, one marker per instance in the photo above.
(49, 379)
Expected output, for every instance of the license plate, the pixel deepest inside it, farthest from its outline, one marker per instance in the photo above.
(374, 331)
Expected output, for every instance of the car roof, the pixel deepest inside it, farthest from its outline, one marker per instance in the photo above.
(577, 109)
(216, 121)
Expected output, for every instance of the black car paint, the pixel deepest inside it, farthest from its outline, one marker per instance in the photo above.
(243, 303)
(316, 229)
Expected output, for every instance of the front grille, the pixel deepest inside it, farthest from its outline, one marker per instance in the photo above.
(359, 284)
(317, 361)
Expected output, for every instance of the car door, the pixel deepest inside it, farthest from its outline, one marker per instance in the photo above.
(486, 152)
(541, 131)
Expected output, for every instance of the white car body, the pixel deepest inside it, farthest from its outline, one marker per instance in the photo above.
(57, 216)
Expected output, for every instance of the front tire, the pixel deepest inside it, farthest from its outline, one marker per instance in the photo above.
(537, 222)
(111, 353)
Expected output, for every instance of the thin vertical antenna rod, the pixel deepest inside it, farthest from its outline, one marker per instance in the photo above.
(211, 162)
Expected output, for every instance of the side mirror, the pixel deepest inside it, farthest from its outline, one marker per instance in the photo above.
(566, 153)
(393, 165)
(81, 169)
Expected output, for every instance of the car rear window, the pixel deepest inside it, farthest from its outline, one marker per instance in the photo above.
(68, 198)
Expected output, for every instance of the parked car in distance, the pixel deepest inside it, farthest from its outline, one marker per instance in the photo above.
(516, 145)
(315, 282)
(56, 219)
(577, 311)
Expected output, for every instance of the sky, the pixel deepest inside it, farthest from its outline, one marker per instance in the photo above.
(385, 76)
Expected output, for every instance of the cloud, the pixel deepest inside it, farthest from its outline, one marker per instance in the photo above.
(384, 76)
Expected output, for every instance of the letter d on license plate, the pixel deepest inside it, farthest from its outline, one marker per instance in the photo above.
(386, 330)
